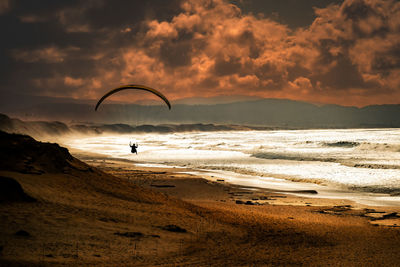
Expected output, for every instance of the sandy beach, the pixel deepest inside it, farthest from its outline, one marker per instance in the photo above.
(200, 133)
(108, 213)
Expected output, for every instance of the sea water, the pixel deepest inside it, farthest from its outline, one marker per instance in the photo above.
(362, 164)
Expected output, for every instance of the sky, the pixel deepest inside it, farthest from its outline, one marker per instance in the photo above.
(338, 52)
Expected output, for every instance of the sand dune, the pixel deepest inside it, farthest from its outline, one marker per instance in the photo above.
(116, 216)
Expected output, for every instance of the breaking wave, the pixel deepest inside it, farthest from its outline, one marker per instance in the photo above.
(342, 144)
(379, 147)
(392, 189)
(355, 159)
(294, 157)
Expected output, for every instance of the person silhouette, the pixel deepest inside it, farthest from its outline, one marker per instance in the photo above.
(133, 147)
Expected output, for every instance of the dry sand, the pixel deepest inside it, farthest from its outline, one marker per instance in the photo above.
(124, 215)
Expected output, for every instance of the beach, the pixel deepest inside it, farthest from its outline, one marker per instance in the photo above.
(200, 133)
(112, 213)
(360, 165)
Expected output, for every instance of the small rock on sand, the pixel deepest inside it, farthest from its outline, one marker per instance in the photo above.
(162, 185)
(11, 191)
(129, 234)
(312, 192)
(173, 228)
(22, 233)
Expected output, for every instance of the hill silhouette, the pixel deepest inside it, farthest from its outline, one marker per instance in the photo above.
(261, 112)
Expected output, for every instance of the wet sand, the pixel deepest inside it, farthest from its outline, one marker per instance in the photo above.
(113, 213)
(182, 184)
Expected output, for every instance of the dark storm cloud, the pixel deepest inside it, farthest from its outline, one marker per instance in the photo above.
(317, 51)
(342, 76)
(227, 66)
(48, 44)
(294, 13)
(31, 32)
(176, 54)
(117, 13)
(350, 40)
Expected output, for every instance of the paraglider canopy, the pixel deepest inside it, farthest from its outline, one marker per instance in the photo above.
(136, 87)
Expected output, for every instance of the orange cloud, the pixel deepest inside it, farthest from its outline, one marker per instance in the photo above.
(210, 48)
(348, 55)
(48, 54)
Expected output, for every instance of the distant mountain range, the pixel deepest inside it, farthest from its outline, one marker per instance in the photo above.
(259, 112)
(44, 129)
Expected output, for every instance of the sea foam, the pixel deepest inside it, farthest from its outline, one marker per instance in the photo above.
(356, 159)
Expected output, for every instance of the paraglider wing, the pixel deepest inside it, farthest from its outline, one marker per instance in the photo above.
(136, 87)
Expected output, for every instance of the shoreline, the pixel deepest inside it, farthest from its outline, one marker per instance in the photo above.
(170, 180)
(300, 189)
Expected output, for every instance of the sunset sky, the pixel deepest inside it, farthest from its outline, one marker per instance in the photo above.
(320, 51)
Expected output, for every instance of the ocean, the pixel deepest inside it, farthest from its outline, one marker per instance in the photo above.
(358, 164)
